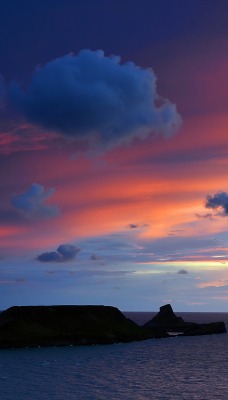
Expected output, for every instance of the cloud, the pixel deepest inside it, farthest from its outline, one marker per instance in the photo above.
(136, 226)
(182, 272)
(18, 137)
(133, 226)
(221, 283)
(176, 232)
(204, 216)
(95, 257)
(31, 204)
(95, 97)
(64, 253)
(218, 201)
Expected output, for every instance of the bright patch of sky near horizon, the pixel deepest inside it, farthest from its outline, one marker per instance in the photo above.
(132, 201)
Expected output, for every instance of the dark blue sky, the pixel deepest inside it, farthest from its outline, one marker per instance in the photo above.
(33, 32)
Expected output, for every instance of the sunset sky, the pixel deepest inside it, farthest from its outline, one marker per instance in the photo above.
(114, 153)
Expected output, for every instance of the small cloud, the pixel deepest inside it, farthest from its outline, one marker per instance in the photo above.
(94, 97)
(95, 257)
(204, 216)
(133, 226)
(136, 226)
(64, 253)
(182, 272)
(68, 251)
(218, 201)
(51, 256)
(176, 232)
(31, 204)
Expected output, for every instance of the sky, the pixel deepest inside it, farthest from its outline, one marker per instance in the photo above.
(114, 153)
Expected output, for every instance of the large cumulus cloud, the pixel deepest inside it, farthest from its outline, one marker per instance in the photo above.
(218, 201)
(64, 253)
(96, 97)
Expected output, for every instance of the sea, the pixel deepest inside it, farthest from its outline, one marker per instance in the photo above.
(176, 368)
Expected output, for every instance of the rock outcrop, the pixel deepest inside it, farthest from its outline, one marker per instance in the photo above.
(167, 320)
(30, 326)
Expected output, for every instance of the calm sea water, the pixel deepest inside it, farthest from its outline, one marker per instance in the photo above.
(183, 368)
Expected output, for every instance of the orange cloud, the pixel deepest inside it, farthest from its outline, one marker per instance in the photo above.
(219, 283)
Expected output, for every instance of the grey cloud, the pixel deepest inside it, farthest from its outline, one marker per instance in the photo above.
(64, 253)
(31, 204)
(96, 97)
(217, 201)
(182, 272)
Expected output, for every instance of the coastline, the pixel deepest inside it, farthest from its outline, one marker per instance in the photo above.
(62, 325)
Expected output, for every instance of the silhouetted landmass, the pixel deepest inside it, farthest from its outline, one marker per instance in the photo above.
(167, 320)
(31, 326)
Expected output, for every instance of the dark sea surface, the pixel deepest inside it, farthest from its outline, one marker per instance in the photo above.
(178, 368)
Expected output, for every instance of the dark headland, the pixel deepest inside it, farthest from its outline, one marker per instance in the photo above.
(32, 326)
(167, 320)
